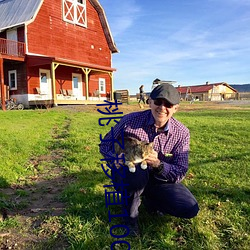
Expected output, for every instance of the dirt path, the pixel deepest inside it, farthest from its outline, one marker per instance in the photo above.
(33, 205)
(184, 106)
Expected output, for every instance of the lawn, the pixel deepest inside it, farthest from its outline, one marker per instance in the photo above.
(218, 176)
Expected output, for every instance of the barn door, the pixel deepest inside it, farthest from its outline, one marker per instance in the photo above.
(45, 83)
(77, 85)
(12, 48)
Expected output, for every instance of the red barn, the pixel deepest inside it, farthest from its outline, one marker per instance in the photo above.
(56, 52)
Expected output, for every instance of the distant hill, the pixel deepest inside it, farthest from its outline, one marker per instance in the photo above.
(241, 87)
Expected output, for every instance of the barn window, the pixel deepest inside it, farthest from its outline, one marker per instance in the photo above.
(43, 77)
(74, 11)
(102, 86)
(12, 80)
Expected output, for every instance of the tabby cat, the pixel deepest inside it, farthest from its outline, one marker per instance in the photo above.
(135, 151)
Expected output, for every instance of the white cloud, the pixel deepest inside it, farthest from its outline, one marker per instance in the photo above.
(122, 15)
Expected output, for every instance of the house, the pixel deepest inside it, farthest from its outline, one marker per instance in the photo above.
(56, 52)
(208, 92)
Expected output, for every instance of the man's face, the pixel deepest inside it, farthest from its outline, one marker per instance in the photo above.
(162, 110)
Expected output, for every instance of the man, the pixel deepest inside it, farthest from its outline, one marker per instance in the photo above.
(156, 83)
(160, 184)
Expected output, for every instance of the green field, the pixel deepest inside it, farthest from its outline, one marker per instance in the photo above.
(218, 176)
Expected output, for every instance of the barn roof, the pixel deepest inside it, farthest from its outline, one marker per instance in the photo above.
(18, 12)
(105, 25)
(201, 88)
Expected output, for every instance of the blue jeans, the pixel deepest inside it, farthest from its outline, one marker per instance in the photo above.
(168, 198)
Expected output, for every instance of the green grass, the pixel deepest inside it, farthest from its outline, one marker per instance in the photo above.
(218, 176)
(24, 135)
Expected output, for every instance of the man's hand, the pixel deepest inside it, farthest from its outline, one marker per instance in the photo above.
(153, 160)
(117, 164)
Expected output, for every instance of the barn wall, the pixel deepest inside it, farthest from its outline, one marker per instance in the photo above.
(20, 34)
(50, 35)
(94, 84)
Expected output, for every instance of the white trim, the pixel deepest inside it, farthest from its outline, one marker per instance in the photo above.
(15, 75)
(74, 12)
(29, 22)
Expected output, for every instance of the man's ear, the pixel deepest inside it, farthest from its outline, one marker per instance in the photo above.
(176, 107)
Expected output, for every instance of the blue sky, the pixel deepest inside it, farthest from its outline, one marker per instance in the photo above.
(188, 41)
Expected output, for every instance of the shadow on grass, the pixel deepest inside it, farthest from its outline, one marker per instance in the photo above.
(214, 159)
(3, 182)
(227, 210)
(32, 210)
(87, 224)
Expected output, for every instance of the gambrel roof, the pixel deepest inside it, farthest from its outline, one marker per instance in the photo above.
(18, 12)
(105, 25)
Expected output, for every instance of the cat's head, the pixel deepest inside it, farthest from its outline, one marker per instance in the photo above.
(147, 148)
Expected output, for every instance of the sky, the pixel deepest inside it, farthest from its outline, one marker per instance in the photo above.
(187, 41)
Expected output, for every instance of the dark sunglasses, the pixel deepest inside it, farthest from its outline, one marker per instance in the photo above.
(159, 102)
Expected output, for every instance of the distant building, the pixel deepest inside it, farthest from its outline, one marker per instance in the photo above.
(157, 82)
(207, 92)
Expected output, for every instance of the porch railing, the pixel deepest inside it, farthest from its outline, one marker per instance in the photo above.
(12, 48)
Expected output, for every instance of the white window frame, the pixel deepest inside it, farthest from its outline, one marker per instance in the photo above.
(15, 83)
(102, 83)
(74, 11)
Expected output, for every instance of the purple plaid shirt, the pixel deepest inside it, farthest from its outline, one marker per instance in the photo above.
(172, 145)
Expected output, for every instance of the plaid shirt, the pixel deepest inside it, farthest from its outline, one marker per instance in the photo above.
(172, 144)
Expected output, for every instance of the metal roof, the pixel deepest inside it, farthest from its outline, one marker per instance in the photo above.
(16, 12)
(202, 88)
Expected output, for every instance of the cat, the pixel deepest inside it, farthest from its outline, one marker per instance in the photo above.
(135, 151)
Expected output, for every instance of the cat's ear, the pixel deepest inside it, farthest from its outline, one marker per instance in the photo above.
(151, 144)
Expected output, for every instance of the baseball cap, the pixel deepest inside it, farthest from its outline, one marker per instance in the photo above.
(166, 91)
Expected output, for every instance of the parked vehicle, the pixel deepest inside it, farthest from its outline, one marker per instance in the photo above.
(12, 104)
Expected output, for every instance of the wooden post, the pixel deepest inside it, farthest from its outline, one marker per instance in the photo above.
(111, 86)
(2, 84)
(86, 72)
(53, 79)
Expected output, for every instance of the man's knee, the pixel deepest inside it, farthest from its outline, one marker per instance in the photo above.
(190, 212)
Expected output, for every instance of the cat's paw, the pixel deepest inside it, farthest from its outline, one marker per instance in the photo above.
(132, 170)
(144, 166)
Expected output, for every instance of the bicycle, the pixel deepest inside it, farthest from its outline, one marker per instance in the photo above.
(12, 104)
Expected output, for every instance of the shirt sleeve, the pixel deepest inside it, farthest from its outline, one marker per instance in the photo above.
(106, 145)
(174, 171)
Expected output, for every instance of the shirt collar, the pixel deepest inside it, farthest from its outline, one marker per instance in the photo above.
(151, 122)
